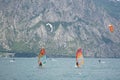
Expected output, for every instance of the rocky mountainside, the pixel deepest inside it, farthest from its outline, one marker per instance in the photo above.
(61, 26)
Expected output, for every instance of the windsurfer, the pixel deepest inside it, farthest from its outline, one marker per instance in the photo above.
(41, 54)
(77, 64)
(99, 61)
(79, 58)
(40, 63)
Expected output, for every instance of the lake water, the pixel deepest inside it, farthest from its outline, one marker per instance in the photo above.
(59, 69)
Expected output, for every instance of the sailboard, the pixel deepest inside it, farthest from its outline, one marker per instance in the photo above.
(79, 58)
(42, 57)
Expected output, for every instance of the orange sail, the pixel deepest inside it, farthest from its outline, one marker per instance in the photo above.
(111, 28)
(79, 58)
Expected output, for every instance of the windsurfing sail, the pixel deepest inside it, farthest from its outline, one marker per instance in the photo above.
(111, 28)
(42, 57)
(79, 58)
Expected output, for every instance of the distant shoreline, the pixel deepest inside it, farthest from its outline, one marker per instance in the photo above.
(31, 55)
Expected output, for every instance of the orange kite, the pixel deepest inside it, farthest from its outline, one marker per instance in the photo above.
(111, 28)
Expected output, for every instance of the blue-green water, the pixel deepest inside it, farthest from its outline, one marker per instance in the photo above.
(59, 69)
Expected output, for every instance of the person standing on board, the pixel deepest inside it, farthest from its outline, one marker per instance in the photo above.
(41, 54)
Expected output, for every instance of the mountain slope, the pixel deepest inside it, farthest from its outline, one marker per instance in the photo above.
(75, 23)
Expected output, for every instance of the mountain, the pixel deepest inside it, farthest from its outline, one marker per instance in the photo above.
(61, 26)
